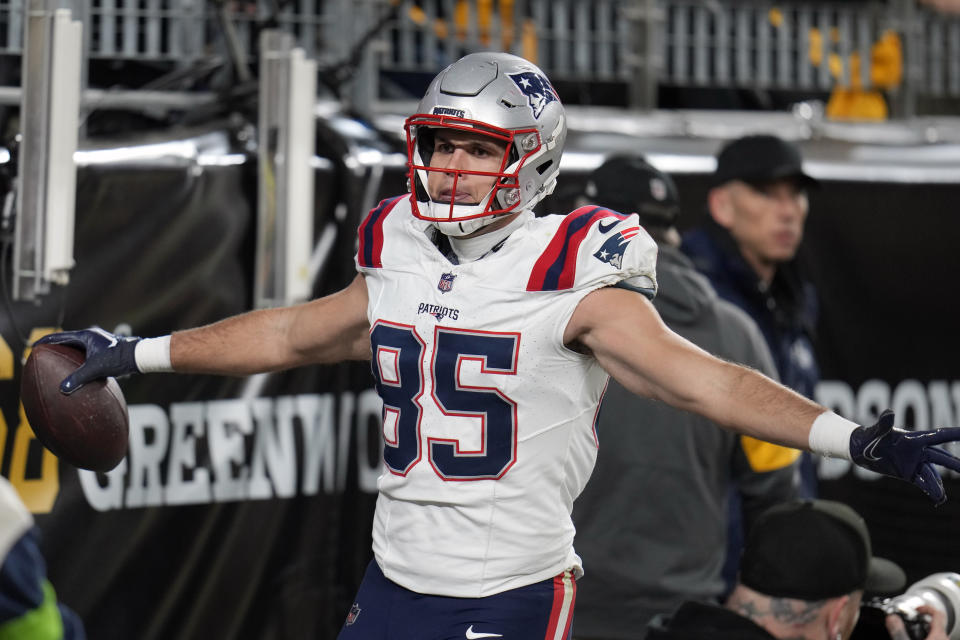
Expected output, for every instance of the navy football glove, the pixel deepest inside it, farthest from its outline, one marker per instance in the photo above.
(107, 355)
(908, 455)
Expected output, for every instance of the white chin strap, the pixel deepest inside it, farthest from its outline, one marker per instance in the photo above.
(459, 229)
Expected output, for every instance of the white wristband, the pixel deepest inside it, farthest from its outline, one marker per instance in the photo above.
(153, 355)
(830, 435)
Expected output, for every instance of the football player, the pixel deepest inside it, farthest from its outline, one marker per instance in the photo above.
(491, 335)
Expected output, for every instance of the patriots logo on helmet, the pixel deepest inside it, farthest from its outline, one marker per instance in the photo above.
(614, 247)
(538, 90)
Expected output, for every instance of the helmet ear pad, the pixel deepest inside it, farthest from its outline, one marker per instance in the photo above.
(508, 197)
(425, 139)
(420, 190)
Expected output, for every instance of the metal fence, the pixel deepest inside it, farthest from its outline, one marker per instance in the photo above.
(708, 43)
(754, 46)
(184, 31)
(941, 57)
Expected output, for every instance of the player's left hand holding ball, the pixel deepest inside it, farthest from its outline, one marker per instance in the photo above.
(107, 355)
(72, 401)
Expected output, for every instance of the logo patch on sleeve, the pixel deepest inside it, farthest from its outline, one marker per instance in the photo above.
(613, 248)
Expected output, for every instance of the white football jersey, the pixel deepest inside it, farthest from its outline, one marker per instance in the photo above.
(488, 417)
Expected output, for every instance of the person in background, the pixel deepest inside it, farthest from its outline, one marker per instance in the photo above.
(643, 562)
(28, 603)
(757, 208)
(791, 589)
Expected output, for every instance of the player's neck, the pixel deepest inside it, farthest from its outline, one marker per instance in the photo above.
(470, 249)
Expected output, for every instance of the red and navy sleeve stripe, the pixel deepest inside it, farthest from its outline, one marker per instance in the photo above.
(371, 233)
(556, 268)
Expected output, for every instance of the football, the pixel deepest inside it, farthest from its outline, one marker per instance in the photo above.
(88, 428)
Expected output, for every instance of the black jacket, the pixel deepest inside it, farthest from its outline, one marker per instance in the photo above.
(786, 312)
(695, 621)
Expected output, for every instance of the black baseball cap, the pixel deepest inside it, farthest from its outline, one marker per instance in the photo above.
(756, 159)
(813, 550)
(630, 184)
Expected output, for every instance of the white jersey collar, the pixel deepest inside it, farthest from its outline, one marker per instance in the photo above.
(470, 249)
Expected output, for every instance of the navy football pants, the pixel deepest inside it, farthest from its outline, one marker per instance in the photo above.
(384, 610)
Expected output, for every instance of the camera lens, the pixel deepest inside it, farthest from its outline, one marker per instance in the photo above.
(939, 590)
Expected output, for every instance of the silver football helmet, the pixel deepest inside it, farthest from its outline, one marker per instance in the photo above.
(498, 95)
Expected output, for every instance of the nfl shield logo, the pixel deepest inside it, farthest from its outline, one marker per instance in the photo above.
(354, 612)
(446, 282)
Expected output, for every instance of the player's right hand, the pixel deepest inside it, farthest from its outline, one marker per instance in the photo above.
(108, 355)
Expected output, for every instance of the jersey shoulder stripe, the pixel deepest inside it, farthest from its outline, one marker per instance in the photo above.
(370, 232)
(556, 268)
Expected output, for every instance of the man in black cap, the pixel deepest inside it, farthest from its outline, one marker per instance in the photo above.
(758, 205)
(646, 561)
(804, 570)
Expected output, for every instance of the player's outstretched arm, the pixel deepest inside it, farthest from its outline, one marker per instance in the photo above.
(329, 329)
(626, 335)
(628, 338)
